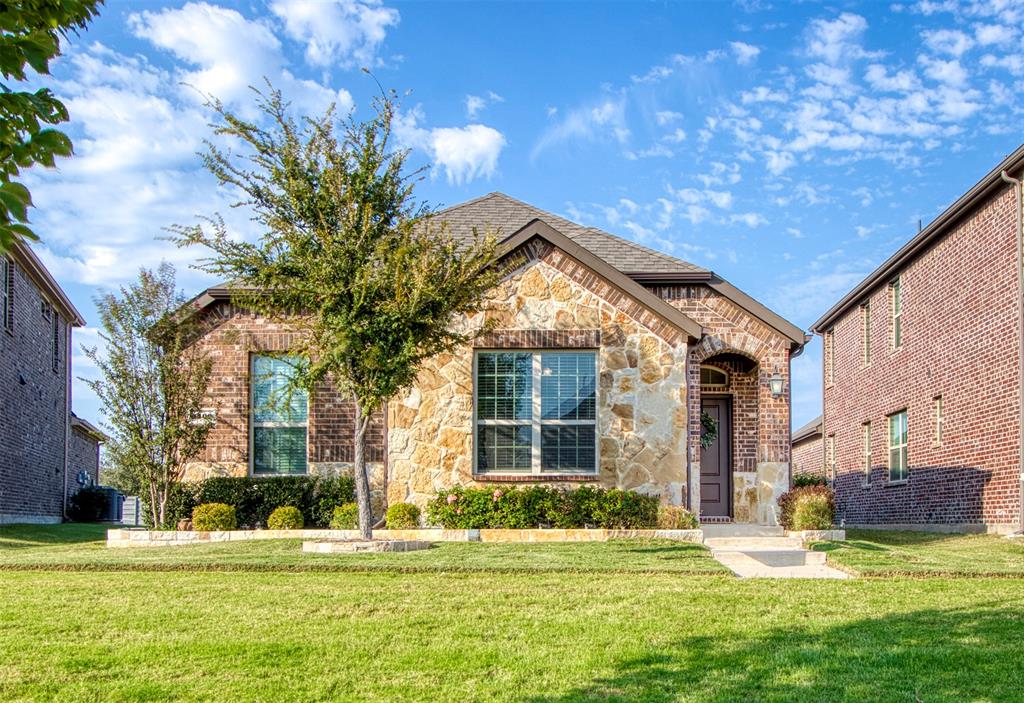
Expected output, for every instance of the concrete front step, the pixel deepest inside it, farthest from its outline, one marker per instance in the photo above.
(761, 565)
(741, 530)
(775, 558)
(743, 544)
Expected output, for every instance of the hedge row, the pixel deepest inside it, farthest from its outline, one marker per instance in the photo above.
(254, 499)
(542, 506)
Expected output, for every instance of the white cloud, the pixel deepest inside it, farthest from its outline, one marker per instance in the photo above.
(763, 94)
(346, 32)
(949, 72)
(465, 153)
(602, 121)
(750, 219)
(948, 41)
(475, 104)
(838, 39)
(993, 34)
(879, 78)
(745, 53)
(666, 117)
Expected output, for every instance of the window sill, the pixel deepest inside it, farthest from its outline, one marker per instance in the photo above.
(901, 482)
(534, 478)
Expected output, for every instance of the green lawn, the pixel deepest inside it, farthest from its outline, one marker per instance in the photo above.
(880, 553)
(81, 547)
(550, 632)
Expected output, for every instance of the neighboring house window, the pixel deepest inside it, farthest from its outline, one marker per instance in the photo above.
(868, 460)
(865, 334)
(7, 292)
(279, 418)
(830, 357)
(830, 457)
(711, 377)
(898, 470)
(55, 341)
(536, 412)
(896, 306)
(937, 402)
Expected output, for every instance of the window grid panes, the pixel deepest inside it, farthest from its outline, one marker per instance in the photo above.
(279, 418)
(898, 470)
(536, 412)
(868, 460)
(896, 292)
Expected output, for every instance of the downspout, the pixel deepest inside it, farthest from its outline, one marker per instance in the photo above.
(67, 412)
(689, 431)
(1020, 341)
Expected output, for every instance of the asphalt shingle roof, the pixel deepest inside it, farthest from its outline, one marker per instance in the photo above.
(497, 211)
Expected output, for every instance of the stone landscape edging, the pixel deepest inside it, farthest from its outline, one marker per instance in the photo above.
(127, 538)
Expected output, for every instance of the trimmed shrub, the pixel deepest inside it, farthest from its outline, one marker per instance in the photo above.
(328, 494)
(287, 517)
(676, 517)
(813, 512)
(211, 517)
(788, 501)
(541, 506)
(88, 505)
(345, 517)
(402, 516)
(801, 480)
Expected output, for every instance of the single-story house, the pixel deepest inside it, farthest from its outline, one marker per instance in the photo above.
(604, 358)
(807, 450)
(36, 319)
(923, 370)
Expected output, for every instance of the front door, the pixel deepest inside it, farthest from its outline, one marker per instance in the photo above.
(716, 460)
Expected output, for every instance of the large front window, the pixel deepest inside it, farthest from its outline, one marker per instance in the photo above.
(536, 412)
(279, 418)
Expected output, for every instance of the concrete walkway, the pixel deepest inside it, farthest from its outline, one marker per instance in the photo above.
(752, 551)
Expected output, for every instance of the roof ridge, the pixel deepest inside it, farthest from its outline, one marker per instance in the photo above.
(641, 247)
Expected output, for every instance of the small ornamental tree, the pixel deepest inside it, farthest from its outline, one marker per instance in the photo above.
(347, 257)
(152, 385)
(30, 34)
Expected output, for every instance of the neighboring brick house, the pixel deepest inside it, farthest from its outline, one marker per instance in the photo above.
(603, 356)
(84, 464)
(36, 318)
(923, 373)
(809, 450)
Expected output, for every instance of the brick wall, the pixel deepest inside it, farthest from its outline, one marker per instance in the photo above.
(84, 456)
(808, 457)
(33, 410)
(232, 336)
(960, 342)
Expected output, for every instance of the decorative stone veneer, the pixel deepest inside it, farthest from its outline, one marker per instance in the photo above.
(641, 387)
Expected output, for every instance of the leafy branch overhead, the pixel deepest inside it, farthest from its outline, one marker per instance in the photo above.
(348, 258)
(30, 34)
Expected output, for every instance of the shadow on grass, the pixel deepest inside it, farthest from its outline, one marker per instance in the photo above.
(929, 655)
(26, 536)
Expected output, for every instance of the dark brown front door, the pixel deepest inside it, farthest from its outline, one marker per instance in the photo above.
(716, 460)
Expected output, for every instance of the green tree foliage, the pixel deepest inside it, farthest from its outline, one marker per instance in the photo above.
(152, 385)
(30, 34)
(348, 258)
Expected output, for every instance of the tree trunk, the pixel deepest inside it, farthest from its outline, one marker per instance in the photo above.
(360, 475)
(154, 506)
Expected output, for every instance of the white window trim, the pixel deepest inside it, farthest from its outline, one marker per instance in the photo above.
(868, 454)
(896, 318)
(7, 287)
(865, 331)
(535, 421)
(938, 404)
(906, 463)
(253, 425)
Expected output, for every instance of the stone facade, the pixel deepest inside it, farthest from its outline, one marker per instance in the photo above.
(959, 343)
(641, 393)
(34, 403)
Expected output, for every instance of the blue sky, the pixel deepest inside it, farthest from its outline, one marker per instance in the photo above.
(790, 148)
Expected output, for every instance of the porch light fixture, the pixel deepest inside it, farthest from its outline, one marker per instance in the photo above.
(776, 383)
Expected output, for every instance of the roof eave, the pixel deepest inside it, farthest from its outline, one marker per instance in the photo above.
(935, 229)
(45, 280)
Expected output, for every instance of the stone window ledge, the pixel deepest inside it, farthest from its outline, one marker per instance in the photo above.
(534, 478)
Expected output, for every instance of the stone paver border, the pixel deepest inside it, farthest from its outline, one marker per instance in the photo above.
(129, 538)
(354, 546)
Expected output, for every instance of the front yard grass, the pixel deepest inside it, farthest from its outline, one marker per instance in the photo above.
(885, 553)
(617, 621)
(82, 547)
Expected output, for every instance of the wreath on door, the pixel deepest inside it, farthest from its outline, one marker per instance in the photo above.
(708, 430)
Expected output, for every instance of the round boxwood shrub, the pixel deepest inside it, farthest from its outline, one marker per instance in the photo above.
(676, 517)
(402, 516)
(813, 512)
(345, 517)
(287, 517)
(211, 517)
